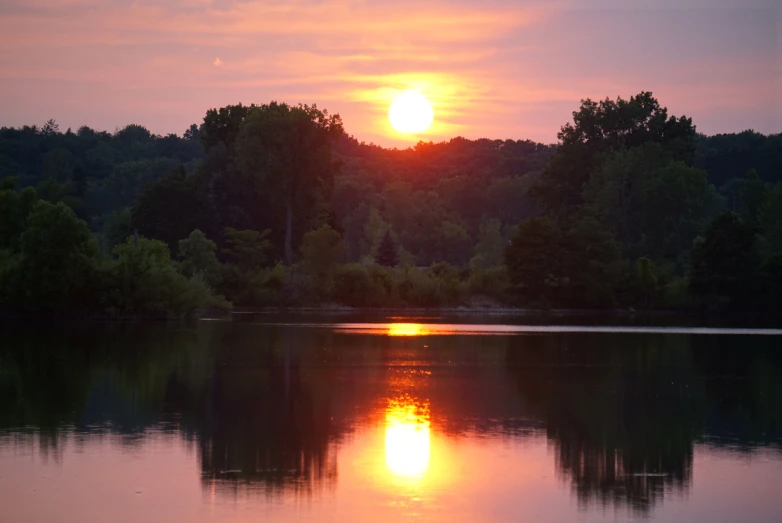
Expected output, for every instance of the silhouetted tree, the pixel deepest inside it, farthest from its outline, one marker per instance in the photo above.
(726, 264)
(289, 149)
(387, 251)
(534, 259)
(170, 209)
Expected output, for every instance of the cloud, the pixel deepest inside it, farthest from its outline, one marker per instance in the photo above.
(491, 68)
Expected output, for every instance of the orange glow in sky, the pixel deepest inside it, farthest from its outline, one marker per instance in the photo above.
(490, 68)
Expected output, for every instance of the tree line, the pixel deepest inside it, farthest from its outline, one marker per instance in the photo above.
(275, 204)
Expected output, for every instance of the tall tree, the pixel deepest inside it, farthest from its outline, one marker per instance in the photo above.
(289, 148)
(602, 127)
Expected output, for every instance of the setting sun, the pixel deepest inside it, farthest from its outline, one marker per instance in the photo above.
(411, 113)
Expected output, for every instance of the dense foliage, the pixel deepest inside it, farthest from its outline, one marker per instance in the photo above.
(275, 205)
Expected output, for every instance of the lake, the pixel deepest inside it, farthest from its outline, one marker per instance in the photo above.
(423, 418)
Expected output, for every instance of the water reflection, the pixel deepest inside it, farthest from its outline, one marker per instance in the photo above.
(405, 329)
(407, 438)
(279, 412)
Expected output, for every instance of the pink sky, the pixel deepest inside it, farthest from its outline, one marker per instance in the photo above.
(496, 69)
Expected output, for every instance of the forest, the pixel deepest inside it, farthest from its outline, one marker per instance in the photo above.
(275, 205)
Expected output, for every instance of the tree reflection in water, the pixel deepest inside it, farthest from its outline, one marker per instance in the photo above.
(268, 407)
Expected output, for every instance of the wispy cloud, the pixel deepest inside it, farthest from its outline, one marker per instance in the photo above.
(491, 68)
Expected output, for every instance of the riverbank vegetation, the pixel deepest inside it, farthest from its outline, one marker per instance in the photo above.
(274, 205)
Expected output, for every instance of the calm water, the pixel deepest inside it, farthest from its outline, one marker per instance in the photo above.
(395, 420)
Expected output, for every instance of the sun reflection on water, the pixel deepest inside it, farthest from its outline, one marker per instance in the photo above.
(406, 329)
(407, 439)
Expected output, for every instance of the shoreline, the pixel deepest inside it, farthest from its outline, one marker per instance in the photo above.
(592, 316)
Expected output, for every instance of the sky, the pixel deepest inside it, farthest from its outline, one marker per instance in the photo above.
(492, 69)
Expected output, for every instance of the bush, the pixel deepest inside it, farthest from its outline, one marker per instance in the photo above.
(145, 282)
(676, 294)
(489, 282)
(363, 286)
(263, 287)
(435, 287)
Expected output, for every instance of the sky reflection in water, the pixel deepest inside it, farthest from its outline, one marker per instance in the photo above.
(387, 422)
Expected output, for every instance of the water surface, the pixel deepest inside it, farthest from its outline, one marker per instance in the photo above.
(407, 419)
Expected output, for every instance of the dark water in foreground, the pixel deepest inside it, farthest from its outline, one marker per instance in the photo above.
(390, 421)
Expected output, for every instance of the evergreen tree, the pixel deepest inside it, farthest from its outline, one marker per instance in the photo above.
(387, 251)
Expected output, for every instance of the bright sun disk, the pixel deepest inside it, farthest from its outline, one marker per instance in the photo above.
(411, 113)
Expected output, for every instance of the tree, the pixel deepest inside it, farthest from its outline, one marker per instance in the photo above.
(134, 134)
(321, 249)
(221, 126)
(145, 282)
(59, 261)
(289, 148)
(192, 133)
(647, 280)
(197, 256)
(249, 249)
(726, 265)
(50, 127)
(676, 203)
(117, 226)
(533, 259)
(602, 127)
(170, 209)
(653, 205)
(770, 219)
(14, 210)
(490, 249)
(773, 283)
(754, 192)
(591, 261)
(387, 251)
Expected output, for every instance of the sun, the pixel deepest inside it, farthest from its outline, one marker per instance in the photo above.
(411, 113)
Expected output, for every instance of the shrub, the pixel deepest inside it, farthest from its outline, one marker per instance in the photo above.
(145, 282)
(489, 282)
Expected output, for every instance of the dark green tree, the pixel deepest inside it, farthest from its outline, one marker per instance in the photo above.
(289, 150)
(59, 261)
(145, 282)
(197, 257)
(591, 261)
(753, 195)
(117, 226)
(490, 249)
(770, 219)
(248, 249)
(601, 127)
(170, 209)
(726, 265)
(534, 259)
(387, 251)
(14, 209)
(647, 280)
(653, 205)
